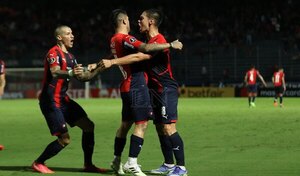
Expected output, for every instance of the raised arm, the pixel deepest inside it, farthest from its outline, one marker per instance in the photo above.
(128, 59)
(176, 44)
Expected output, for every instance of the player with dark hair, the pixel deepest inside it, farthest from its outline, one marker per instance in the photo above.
(134, 91)
(165, 97)
(57, 107)
(250, 81)
(2, 77)
(165, 90)
(279, 86)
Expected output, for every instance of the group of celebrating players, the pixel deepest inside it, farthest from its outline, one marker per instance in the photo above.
(148, 92)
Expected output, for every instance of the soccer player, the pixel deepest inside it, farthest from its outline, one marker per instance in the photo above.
(2, 77)
(136, 105)
(2, 84)
(165, 97)
(165, 88)
(57, 107)
(279, 86)
(250, 81)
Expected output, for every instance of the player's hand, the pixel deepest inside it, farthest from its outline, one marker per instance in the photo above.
(78, 70)
(176, 44)
(105, 63)
(92, 67)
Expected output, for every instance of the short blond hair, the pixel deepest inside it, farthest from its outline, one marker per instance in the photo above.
(59, 29)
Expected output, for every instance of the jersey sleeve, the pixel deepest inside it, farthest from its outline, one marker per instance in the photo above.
(131, 42)
(52, 59)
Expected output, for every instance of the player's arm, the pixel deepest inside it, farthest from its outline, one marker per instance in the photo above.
(2, 83)
(176, 44)
(128, 59)
(262, 79)
(283, 83)
(88, 75)
(57, 73)
(94, 66)
(246, 79)
(273, 79)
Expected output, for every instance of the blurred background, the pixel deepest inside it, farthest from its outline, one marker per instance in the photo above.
(221, 38)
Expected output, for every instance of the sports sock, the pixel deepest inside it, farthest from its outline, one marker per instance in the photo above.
(275, 98)
(132, 161)
(280, 100)
(119, 146)
(253, 99)
(249, 100)
(178, 148)
(136, 144)
(166, 148)
(51, 150)
(87, 144)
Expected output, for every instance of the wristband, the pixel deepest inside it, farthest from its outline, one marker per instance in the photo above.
(70, 73)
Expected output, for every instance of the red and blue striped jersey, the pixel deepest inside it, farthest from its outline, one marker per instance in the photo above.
(159, 67)
(55, 90)
(134, 74)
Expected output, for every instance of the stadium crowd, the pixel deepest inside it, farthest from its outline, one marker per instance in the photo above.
(26, 25)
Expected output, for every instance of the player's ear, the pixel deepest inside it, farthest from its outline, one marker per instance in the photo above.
(58, 37)
(151, 21)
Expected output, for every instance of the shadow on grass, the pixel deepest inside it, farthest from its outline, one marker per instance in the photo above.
(60, 169)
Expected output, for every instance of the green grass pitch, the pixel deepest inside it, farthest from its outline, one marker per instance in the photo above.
(223, 137)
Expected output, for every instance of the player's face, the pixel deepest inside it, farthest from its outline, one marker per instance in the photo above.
(67, 37)
(143, 23)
